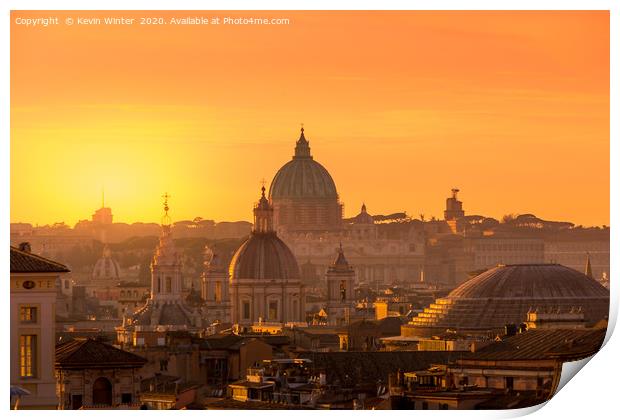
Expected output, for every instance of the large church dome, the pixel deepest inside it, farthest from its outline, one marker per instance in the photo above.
(302, 177)
(505, 294)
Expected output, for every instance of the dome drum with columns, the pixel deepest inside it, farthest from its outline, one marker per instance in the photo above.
(303, 194)
(265, 282)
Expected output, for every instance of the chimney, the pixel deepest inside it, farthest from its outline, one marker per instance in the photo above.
(25, 247)
(510, 330)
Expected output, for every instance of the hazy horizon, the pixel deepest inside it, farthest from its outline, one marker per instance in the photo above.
(512, 107)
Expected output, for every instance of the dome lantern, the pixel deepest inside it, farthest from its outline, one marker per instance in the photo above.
(302, 147)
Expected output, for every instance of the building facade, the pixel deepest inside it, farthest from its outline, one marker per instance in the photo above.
(34, 281)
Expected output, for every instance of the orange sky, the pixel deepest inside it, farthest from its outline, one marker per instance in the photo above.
(400, 107)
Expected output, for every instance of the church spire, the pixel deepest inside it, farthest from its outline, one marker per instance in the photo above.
(589, 267)
(302, 147)
(341, 261)
(165, 220)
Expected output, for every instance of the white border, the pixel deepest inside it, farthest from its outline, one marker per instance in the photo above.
(592, 394)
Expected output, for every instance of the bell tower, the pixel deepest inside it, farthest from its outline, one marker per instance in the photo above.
(340, 290)
(215, 291)
(166, 278)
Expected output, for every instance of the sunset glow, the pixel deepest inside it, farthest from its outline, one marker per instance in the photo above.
(510, 107)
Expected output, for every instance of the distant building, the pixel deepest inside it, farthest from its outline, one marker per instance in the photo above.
(308, 216)
(454, 207)
(489, 251)
(34, 288)
(106, 276)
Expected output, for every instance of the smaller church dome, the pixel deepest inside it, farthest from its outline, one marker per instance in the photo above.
(107, 267)
(264, 256)
(363, 218)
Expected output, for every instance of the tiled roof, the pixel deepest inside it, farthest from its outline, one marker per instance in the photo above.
(167, 314)
(26, 262)
(221, 342)
(229, 404)
(537, 344)
(88, 353)
(357, 367)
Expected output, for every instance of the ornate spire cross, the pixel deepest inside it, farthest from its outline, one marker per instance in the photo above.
(166, 196)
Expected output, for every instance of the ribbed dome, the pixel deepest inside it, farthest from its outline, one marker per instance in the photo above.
(302, 177)
(264, 256)
(504, 295)
(530, 281)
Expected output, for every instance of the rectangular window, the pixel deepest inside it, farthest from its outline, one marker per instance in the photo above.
(168, 285)
(126, 398)
(246, 310)
(76, 401)
(273, 310)
(510, 382)
(27, 355)
(218, 292)
(28, 314)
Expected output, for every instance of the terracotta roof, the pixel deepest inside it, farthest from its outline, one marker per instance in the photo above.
(221, 342)
(26, 262)
(229, 404)
(168, 314)
(370, 366)
(537, 344)
(88, 353)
